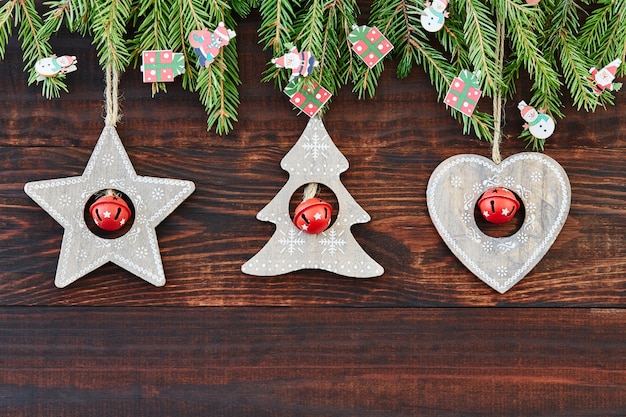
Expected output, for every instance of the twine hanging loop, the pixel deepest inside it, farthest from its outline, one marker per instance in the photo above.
(112, 107)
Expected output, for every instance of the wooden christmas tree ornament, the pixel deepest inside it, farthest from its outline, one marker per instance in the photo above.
(67, 200)
(313, 159)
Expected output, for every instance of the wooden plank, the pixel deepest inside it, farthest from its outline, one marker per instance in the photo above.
(312, 362)
(207, 239)
(392, 142)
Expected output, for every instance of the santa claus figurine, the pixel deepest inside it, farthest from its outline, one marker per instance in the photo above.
(434, 15)
(207, 45)
(538, 123)
(300, 63)
(603, 79)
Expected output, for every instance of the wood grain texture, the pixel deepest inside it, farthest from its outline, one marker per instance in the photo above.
(209, 343)
(312, 362)
(393, 143)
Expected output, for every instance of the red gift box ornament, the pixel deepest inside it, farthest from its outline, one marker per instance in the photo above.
(464, 92)
(309, 98)
(161, 66)
(369, 44)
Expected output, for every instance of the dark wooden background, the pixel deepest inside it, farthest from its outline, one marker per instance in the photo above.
(426, 338)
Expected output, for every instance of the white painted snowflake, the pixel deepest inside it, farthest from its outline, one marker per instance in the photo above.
(64, 200)
(477, 188)
(141, 252)
(456, 182)
(531, 208)
(332, 242)
(509, 182)
(466, 217)
(107, 160)
(502, 271)
(291, 241)
(536, 176)
(487, 245)
(158, 193)
(81, 255)
(316, 146)
(522, 237)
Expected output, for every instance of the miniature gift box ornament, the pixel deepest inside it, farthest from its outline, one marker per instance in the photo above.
(464, 92)
(161, 66)
(310, 98)
(369, 44)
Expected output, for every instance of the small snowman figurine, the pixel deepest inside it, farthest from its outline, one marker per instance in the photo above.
(53, 65)
(538, 123)
(434, 15)
(603, 79)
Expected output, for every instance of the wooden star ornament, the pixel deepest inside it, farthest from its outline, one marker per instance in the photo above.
(82, 249)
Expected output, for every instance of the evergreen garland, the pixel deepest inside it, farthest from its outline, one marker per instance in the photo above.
(553, 43)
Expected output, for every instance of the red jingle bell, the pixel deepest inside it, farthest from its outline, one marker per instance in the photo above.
(313, 215)
(498, 205)
(110, 213)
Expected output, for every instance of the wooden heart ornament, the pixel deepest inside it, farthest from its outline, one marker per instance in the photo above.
(544, 190)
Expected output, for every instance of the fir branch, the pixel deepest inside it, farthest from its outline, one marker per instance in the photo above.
(153, 31)
(339, 16)
(6, 27)
(185, 16)
(480, 34)
(244, 7)
(452, 36)
(108, 22)
(561, 40)
(217, 84)
(401, 20)
(275, 32)
(36, 46)
(217, 87)
(310, 27)
(605, 32)
(277, 17)
(522, 23)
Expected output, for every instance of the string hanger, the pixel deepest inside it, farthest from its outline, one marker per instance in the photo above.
(112, 107)
(497, 97)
